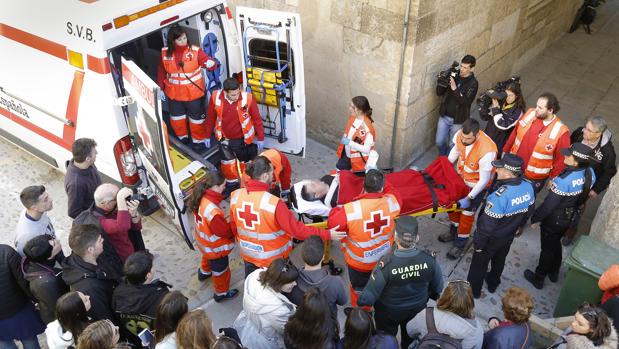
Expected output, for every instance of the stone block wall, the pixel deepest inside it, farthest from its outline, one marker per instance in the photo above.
(352, 47)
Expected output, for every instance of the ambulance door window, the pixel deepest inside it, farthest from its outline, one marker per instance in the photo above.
(149, 143)
(263, 54)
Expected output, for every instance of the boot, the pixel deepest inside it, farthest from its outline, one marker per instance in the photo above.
(553, 277)
(203, 276)
(534, 279)
(449, 235)
(455, 252)
(230, 294)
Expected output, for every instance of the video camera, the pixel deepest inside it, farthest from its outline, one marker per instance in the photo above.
(442, 79)
(484, 101)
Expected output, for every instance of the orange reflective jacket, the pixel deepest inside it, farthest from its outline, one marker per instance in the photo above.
(242, 106)
(357, 159)
(468, 164)
(211, 245)
(180, 83)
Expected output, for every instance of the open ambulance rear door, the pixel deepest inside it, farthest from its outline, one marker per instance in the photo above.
(170, 175)
(272, 53)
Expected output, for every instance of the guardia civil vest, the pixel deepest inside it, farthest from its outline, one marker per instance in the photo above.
(242, 107)
(211, 245)
(540, 162)
(357, 159)
(468, 164)
(260, 238)
(370, 223)
(180, 83)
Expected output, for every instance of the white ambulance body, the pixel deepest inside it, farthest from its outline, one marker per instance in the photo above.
(87, 68)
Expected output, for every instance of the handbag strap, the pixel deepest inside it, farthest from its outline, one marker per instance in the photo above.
(526, 338)
(430, 324)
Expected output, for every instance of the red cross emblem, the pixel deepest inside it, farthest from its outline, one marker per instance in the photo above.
(249, 217)
(189, 55)
(377, 223)
(548, 147)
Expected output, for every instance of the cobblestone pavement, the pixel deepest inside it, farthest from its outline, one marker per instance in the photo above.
(581, 69)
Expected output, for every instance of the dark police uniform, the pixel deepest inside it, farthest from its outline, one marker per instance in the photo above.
(506, 210)
(399, 288)
(556, 214)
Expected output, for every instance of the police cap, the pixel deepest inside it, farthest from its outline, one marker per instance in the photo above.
(578, 150)
(510, 162)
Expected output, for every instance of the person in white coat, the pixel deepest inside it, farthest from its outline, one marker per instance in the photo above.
(72, 318)
(265, 309)
(453, 316)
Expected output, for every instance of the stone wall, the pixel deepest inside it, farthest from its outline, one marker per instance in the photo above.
(606, 222)
(352, 47)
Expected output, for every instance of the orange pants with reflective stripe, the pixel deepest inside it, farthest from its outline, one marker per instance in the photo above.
(464, 220)
(220, 271)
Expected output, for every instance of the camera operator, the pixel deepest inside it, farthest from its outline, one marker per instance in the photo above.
(504, 112)
(118, 216)
(455, 109)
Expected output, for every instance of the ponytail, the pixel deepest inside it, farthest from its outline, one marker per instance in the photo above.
(212, 179)
(362, 103)
(259, 166)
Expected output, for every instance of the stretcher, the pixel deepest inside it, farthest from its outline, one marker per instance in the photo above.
(433, 190)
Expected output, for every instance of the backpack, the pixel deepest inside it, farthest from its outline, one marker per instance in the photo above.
(209, 46)
(433, 339)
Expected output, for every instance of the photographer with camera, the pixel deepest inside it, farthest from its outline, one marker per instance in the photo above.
(459, 86)
(117, 211)
(507, 105)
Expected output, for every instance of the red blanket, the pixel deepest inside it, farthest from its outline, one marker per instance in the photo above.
(416, 194)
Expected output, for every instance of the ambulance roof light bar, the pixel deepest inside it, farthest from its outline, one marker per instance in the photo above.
(122, 21)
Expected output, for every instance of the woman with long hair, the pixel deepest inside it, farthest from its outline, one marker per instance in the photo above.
(194, 331)
(590, 329)
(265, 309)
(359, 137)
(102, 334)
(360, 333)
(312, 326)
(453, 316)
(170, 311)
(213, 234)
(503, 115)
(72, 318)
(180, 79)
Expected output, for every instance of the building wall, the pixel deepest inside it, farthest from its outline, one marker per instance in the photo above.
(352, 47)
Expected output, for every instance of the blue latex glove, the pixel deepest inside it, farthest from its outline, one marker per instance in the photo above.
(207, 142)
(260, 145)
(161, 95)
(464, 203)
(345, 140)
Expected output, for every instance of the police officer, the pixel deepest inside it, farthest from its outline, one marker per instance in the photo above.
(568, 193)
(402, 281)
(506, 211)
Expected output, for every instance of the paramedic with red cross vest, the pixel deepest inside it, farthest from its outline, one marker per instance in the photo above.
(180, 78)
(234, 115)
(537, 138)
(369, 220)
(263, 224)
(474, 152)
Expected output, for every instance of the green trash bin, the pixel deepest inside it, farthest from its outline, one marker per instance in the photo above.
(587, 262)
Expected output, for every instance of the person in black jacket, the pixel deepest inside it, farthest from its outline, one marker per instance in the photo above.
(18, 317)
(81, 272)
(456, 106)
(597, 136)
(82, 177)
(503, 115)
(45, 280)
(136, 300)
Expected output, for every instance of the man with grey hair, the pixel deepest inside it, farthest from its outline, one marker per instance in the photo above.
(402, 281)
(119, 218)
(597, 136)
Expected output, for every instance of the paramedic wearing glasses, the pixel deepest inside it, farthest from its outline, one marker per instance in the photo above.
(180, 78)
(359, 137)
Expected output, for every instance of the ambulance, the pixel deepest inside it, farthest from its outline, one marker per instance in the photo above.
(87, 68)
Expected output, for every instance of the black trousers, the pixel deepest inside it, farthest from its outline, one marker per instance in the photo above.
(358, 279)
(494, 253)
(390, 319)
(249, 268)
(552, 230)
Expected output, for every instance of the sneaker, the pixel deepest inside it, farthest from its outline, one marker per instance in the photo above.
(554, 277)
(455, 252)
(566, 241)
(228, 295)
(534, 279)
(202, 275)
(450, 235)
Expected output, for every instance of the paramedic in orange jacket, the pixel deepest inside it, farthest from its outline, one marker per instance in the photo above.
(213, 234)
(180, 78)
(263, 224)
(282, 172)
(369, 221)
(537, 138)
(359, 137)
(474, 152)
